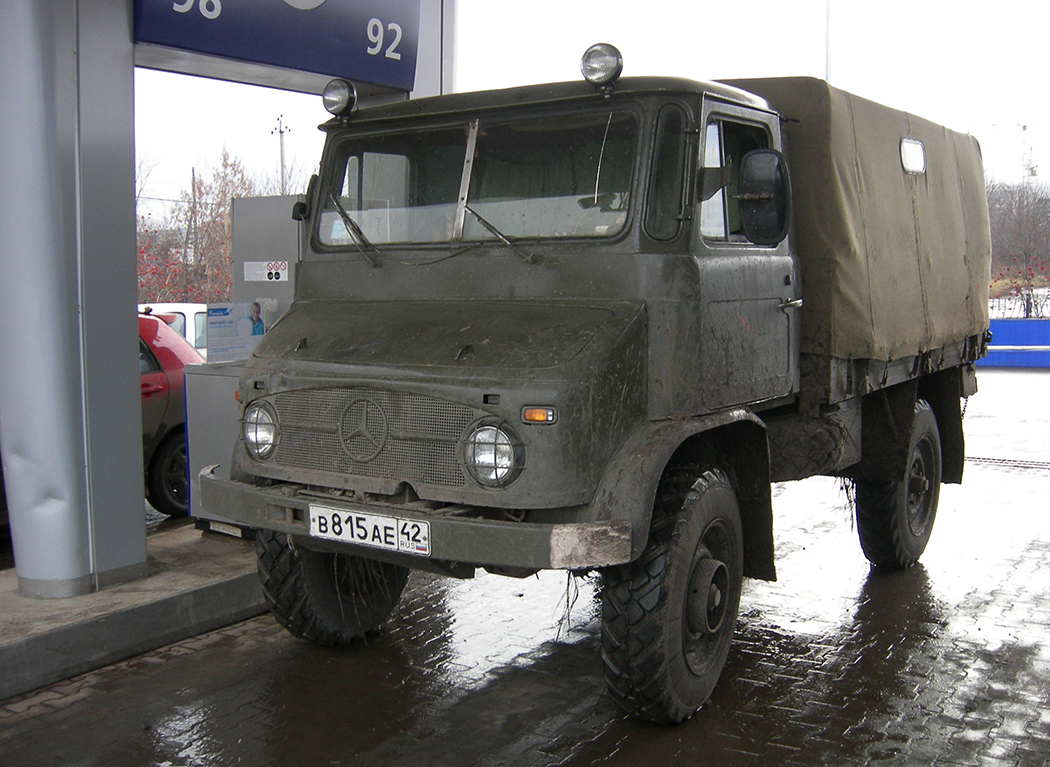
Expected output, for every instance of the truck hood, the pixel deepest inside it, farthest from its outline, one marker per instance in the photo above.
(478, 335)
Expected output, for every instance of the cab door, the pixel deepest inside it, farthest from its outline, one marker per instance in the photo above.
(749, 294)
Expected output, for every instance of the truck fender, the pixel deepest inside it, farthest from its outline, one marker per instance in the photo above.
(944, 391)
(733, 440)
(887, 415)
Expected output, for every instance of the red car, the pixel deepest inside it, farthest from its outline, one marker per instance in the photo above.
(163, 354)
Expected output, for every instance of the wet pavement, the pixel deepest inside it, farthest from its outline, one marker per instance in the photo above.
(947, 663)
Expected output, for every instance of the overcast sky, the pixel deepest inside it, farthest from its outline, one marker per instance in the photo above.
(980, 71)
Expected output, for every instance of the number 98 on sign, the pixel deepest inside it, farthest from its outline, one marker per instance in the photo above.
(210, 9)
(390, 533)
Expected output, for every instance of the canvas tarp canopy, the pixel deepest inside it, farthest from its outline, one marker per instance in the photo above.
(893, 263)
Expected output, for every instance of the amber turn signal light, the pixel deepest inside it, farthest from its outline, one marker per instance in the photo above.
(539, 415)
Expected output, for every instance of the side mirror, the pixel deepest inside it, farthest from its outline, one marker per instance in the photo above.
(301, 209)
(764, 196)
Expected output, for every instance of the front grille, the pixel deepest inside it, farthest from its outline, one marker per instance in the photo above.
(373, 433)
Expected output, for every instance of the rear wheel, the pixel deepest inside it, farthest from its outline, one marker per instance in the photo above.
(895, 518)
(329, 599)
(166, 479)
(668, 617)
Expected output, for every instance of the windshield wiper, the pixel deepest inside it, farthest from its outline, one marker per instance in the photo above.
(461, 205)
(360, 241)
(464, 181)
(526, 257)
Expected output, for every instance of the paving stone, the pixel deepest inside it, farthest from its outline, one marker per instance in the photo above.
(944, 664)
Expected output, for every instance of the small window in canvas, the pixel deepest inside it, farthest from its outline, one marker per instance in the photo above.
(913, 156)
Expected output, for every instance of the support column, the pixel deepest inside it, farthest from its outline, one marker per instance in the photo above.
(70, 426)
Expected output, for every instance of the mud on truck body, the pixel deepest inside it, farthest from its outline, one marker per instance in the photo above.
(584, 326)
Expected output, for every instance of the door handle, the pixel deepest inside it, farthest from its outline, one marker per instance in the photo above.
(151, 388)
(794, 303)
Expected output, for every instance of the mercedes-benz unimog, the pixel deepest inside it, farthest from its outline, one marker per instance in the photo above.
(585, 326)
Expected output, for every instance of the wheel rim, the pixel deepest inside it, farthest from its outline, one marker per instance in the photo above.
(919, 485)
(175, 476)
(708, 594)
(708, 600)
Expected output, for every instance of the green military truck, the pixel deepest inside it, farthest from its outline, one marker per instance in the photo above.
(585, 326)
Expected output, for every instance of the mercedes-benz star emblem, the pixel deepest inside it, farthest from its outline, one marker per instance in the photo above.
(363, 430)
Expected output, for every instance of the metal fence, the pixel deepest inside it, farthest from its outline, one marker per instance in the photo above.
(1030, 304)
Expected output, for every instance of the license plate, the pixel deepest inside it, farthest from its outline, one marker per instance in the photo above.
(407, 536)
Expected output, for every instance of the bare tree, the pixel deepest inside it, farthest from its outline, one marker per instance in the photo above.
(1020, 226)
(143, 170)
(159, 261)
(296, 180)
(186, 257)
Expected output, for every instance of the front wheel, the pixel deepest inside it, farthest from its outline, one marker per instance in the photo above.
(895, 518)
(668, 617)
(328, 599)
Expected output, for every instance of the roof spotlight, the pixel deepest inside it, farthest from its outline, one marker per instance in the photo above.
(340, 97)
(601, 65)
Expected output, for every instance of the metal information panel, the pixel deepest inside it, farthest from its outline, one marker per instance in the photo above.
(374, 42)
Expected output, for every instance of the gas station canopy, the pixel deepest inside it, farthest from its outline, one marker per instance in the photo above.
(291, 44)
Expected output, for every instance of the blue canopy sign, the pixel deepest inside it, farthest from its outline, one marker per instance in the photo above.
(374, 42)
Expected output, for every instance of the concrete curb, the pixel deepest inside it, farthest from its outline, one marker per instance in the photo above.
(195, 585)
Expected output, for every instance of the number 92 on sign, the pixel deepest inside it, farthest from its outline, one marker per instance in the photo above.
(390, 533)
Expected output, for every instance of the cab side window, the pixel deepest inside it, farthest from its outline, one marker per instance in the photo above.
(725, 144)
(663, 215)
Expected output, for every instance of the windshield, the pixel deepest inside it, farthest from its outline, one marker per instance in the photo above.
(557, 176)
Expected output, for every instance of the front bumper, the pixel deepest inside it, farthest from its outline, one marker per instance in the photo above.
(463, 539)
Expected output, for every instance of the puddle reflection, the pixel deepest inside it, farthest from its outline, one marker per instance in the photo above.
(497, 620)
(183, 736)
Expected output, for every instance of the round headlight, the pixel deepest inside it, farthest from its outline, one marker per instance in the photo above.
(340, 97)
(494, 455)
(260, 430)
(601, 64)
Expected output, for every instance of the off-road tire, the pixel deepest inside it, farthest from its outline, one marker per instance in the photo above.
(895, 518)
(664, 640)
(328, 599)
(166, 478)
